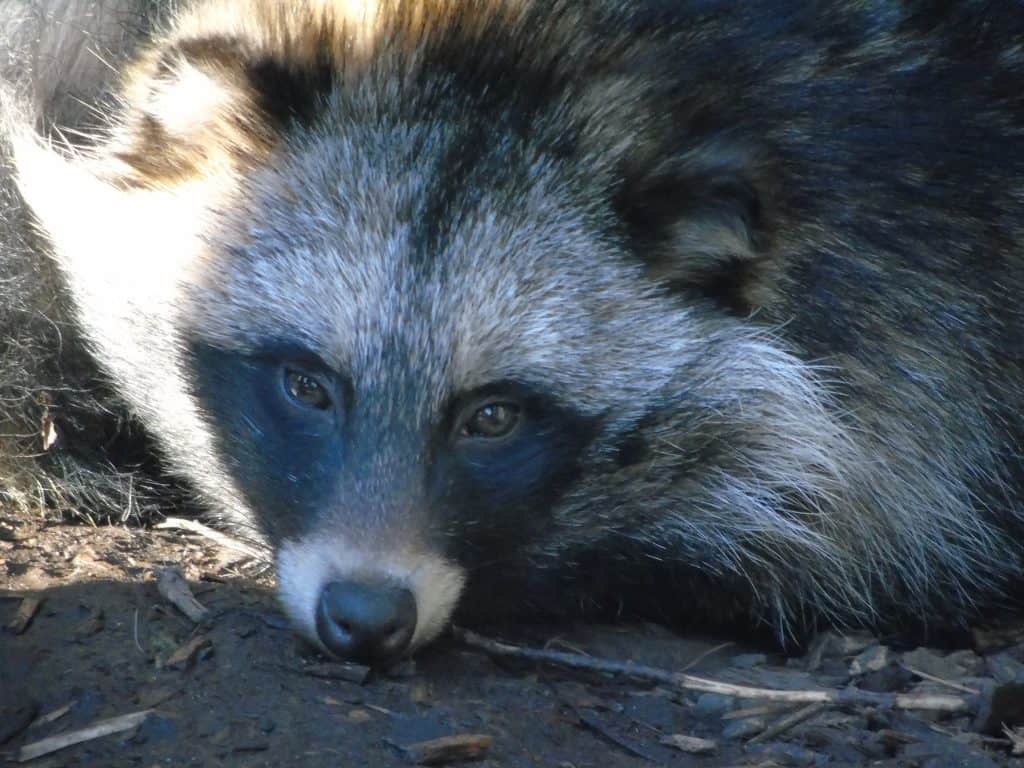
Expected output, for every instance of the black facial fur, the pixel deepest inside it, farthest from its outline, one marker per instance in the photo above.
(284, 458)
(294, 463)
(501, 492)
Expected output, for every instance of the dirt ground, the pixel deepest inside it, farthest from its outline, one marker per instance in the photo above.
(237, 688)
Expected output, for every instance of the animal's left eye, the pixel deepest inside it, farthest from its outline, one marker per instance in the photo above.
(491, 421)
(305, 390)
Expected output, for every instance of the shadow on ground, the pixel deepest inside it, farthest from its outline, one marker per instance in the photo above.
(244, 691)
(250, 697)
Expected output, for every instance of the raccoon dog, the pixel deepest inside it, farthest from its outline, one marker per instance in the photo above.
(701, 310)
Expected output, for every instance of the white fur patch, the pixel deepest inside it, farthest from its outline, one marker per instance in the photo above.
(306, 565)
(189, 102)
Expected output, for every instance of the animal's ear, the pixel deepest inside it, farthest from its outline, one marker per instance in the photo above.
(699, 220)
(203, 105)
(187, 110)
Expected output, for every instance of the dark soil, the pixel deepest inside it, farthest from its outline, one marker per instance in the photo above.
(101, 643)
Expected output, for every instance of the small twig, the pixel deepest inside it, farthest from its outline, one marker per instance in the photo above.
(70, 738)
(135, 631)
(701, 656)
(941, 681)
(223, 539)
(55, 714)
(172, 585)
(687, 682)
(791, 720)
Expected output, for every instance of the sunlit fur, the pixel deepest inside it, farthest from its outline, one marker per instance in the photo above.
(808, 383)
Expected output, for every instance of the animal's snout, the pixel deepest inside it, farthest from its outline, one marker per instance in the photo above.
(367, 622)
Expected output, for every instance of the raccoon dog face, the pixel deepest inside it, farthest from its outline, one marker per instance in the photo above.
(368, 274)
(406, 368)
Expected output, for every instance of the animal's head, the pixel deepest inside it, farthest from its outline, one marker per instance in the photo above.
(440, 301)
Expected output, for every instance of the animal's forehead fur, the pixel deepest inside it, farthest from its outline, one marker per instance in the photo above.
(444, 206)
(341, 244)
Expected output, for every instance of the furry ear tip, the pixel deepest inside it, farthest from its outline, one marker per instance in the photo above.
(698, 220)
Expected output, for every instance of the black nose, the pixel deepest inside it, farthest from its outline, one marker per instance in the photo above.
(365, 622)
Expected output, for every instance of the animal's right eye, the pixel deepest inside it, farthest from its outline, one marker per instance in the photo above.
(305, 390)
(494, 420)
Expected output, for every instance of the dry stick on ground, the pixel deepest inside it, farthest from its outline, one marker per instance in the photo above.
(791, 720)
(70, 738)
(224, 540)
(55, 714)
(683, 681)
(940, 680)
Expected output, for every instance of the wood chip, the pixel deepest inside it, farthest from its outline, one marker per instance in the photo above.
(692, 745)
(449, 749)
(186, 653)
(90, 732)
(172, 585)
(24, 615)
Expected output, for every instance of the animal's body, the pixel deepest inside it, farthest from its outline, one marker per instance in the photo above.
(705, 310)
